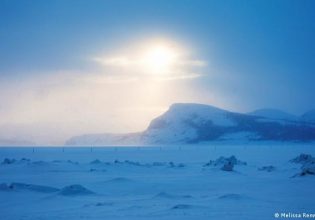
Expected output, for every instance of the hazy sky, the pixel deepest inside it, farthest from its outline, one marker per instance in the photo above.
(73, 67)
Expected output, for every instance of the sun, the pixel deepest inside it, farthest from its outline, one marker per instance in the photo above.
(159, 58)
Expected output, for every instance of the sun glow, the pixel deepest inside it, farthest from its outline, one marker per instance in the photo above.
(160, 59)
(153, 59)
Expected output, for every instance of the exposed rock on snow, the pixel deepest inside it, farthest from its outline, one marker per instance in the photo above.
(226, 163)
(61, 161)
(129, 162)
(72, 162)
(225, 160)
(8, 161)
(308, 169)
(173, 165)
(133, 163)
(97, 161)
(308, 164)
(228, 166)
(181, 165)
(267, 168)
(303, 159)
(28, 187)
(75, 190)
(158, 164)
(137, 164)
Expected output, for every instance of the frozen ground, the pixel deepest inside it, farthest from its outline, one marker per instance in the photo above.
(141, 183)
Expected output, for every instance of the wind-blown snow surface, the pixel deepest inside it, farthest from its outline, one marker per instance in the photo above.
(182, 182)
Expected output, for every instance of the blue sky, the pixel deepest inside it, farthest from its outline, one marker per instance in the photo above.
(257, 54)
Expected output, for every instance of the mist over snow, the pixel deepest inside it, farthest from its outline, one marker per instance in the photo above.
(189, 123)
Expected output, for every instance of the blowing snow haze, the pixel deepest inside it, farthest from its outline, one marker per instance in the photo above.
(98, 67)
(196, 123)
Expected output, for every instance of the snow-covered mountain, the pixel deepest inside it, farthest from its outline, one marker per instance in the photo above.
(309, 116)
(274, 114)
(194, 123)
(186, 122)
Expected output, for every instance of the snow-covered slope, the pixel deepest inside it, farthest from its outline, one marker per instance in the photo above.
(274, 114)
(193, 123)
(183, 123)
(309, 116)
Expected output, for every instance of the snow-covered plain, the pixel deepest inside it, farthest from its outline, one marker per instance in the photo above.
(177, 182)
